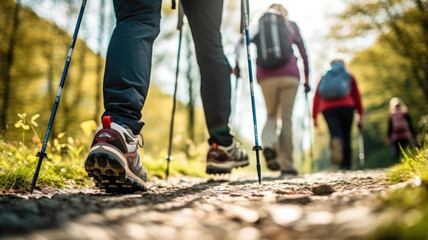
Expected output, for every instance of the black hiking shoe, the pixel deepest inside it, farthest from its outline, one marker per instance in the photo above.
(270, 157)
(114, 159)
(221, 160)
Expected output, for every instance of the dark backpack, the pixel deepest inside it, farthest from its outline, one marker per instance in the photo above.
(336, 83)
(272, 40)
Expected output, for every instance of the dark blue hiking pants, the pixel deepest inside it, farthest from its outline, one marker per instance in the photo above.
(129, 56)
(339, 121)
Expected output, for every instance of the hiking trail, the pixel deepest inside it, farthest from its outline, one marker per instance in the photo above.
(325, 205)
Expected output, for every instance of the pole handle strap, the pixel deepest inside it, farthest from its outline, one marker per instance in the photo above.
(42, 155)
(257, 148)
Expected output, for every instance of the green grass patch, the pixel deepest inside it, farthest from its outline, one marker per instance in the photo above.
(405, 215)
(62, 167)
(405, 212)
(414, 163)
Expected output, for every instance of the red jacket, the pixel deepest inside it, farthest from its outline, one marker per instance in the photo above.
(353, 99)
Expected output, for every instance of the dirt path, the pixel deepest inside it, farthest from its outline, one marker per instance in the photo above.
(226, 207)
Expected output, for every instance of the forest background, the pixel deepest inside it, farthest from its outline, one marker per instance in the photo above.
(385, 43)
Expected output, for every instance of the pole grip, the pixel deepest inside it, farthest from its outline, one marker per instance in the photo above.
(180, 17)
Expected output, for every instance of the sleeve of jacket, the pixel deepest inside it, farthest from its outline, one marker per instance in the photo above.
(356, 96)
(315, 105)
(298, 40)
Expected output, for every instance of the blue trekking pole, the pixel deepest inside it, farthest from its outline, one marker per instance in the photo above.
(171, 127)
(257, 147)
(42, 153)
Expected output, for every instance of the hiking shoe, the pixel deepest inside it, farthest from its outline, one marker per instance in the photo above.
(336, 151)
(270, 157)
(114, 160)
(222, 159)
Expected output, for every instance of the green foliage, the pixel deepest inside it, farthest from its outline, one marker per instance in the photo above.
(40, 52)
(405, 213)
(414, 163)
(18, 161)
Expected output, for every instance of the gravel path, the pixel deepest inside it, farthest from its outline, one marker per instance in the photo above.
(341, 205)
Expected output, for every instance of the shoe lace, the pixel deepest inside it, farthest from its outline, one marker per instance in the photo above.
(236, 151)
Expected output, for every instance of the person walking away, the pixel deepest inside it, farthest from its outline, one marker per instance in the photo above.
(337, 97)
(114, 159)
(278, 76)
(401, 132)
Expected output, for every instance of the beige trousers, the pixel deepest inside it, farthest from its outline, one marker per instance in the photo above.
(279, 94)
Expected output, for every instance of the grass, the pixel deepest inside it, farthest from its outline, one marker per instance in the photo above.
(413, 164)
(405, 212)
(62, 167)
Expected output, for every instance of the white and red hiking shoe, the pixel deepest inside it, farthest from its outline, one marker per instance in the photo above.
(114, 159)
(222, 159)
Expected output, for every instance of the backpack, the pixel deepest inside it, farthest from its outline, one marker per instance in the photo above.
(400, 126)
(336, 83)
(272, 41)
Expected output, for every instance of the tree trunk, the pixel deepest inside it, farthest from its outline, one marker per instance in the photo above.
(6, 71)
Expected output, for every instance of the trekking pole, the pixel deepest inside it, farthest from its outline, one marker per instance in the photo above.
(308, 110)
(174, 101)
(42, 153)
(361, 155)
(257, 147)
(302, 138)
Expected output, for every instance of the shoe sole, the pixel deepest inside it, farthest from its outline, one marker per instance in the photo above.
(271, 162)
(213, 168)
(111, 174)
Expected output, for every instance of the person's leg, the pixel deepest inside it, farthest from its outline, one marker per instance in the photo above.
(288, 91)
(398, 145)
(397, 151)
(332, 117)
(114, 160)
(128, 62)
(204, 18)
(347, 115)
(270, 90)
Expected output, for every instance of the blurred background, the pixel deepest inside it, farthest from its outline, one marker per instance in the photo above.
(385, 43)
